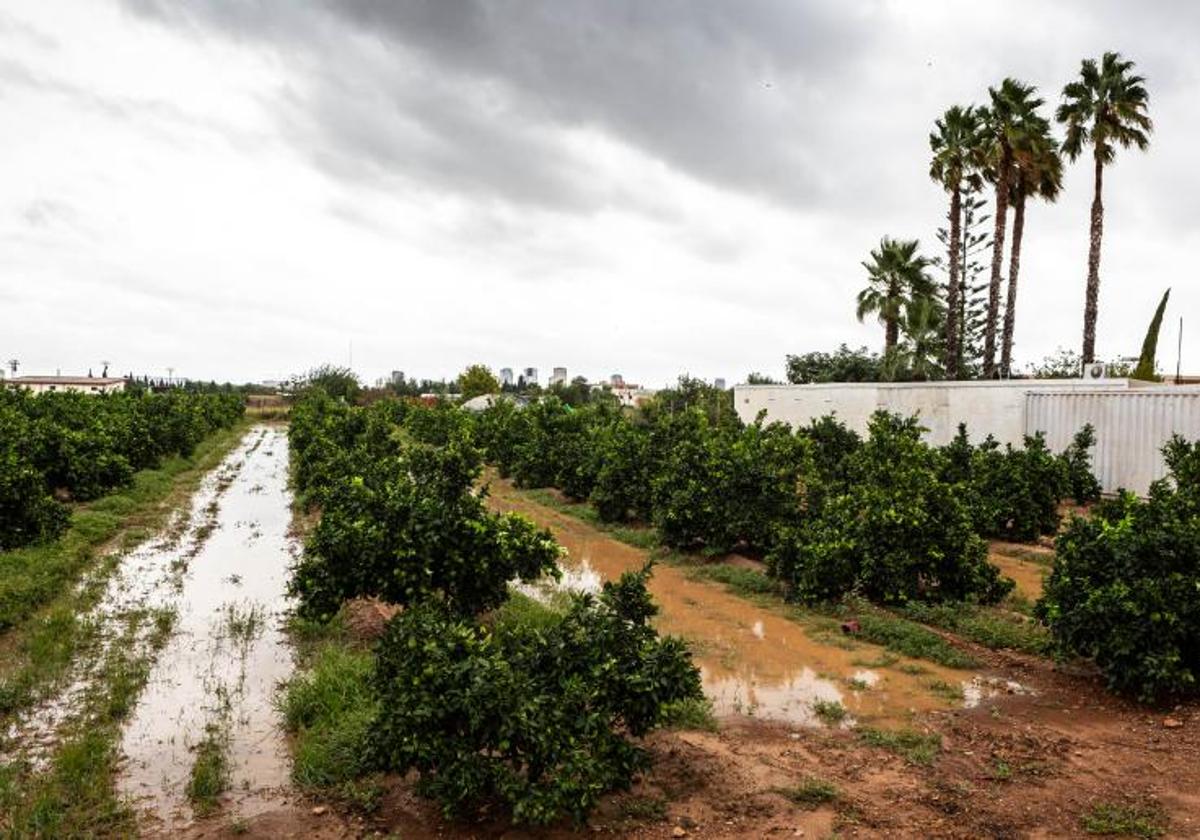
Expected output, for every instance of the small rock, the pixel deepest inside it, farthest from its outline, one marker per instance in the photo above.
(687, 822)
(319, 810)
(1172, 723)
(679, 831)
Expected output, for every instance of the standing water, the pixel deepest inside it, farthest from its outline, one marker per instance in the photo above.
(216, 678)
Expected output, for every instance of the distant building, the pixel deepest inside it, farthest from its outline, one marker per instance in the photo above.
(616, 380)
(77, 384)
(633, 396)
(529, 376)
(506, 376)
(559, 376)
(397, 377)
(719, 383)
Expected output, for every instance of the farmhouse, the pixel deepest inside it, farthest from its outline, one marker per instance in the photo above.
(81, 384)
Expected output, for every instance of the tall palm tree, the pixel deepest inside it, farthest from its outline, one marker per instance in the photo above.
(958, 156)
(1009, 119)
(1104, 108)
(896, 276)
(1037, 172)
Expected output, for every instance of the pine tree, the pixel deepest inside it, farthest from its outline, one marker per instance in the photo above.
(973, 282)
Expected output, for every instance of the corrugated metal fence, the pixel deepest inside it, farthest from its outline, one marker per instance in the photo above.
(1131, 427)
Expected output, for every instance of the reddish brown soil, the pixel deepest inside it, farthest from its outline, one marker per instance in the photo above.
(1022, 766)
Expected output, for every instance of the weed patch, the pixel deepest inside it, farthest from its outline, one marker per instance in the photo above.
(915, 747)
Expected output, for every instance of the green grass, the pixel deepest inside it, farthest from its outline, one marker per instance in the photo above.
(210, 771)
(695, 714)
(74, 796)
(810, 793)
(1125, 820)
(32, 576)
(634, 535)
(41, 629)
(831, 712)
(988, 626)
(905, 637)
(330, 707)
(915, 747)
(945, 689)
(738, 579)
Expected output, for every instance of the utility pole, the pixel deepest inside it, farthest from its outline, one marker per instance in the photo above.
(1179, 354)
(14, 364)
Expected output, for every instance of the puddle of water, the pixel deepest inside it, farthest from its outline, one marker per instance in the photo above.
(227, 653)
(752, 660)
(146, 577)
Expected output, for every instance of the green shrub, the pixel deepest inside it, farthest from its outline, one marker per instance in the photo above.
(897, 532)
(1077, 460)
(1016, 492)
(537, 718)
(1125, 586)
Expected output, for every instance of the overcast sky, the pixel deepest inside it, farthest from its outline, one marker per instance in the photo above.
(241, 190)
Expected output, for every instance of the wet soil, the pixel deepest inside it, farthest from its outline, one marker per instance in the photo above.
(1016, 765)
(753, 661)
(226, 656)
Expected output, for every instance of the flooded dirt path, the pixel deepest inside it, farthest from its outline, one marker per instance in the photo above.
(754, 661)
(218, 672)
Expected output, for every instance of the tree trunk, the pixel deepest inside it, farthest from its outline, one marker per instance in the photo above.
(1014, 266)
(993, 310)
(1092, 302)
(891, 330)
(952, 290)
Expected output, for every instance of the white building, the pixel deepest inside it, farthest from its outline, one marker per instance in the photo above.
(1132, 419)
(530, 376)
(558, 376)
(506, 376)
(79, 384)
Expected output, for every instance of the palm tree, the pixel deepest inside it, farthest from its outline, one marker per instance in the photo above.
(1104, 108)
(897, 276)
(1009, 120)
(1037, 172)
(923, 343)
(957, 146)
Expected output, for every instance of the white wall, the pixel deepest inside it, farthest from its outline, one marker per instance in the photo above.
(1131, 428)
(996, 408)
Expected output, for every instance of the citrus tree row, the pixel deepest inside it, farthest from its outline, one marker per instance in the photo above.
(538, 715)
(888, 517)
(59, 447)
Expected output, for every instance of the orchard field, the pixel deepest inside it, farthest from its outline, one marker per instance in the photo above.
(393, 618)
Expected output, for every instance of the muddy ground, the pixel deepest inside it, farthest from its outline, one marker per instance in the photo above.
(1036, 762)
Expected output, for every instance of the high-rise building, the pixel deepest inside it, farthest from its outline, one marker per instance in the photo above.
(506, 376)
(617, 380)
(559, 376)
(397, 377)
(529, 376)
(719, 383)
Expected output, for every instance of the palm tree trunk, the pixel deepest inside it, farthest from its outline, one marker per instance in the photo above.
(952, 289)
(1014, 266)
(993, 311)
(891, 329)
(1092, 302)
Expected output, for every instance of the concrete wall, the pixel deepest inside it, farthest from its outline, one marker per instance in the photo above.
(1131, 428)
(996, 408)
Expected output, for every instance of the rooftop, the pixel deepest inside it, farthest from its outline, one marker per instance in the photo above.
(65, 380)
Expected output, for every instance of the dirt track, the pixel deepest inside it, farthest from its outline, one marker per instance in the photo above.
(1014, 766)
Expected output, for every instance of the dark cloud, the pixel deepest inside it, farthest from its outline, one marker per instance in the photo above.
(479, 96)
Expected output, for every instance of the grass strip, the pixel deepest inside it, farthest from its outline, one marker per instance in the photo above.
(41, 615)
